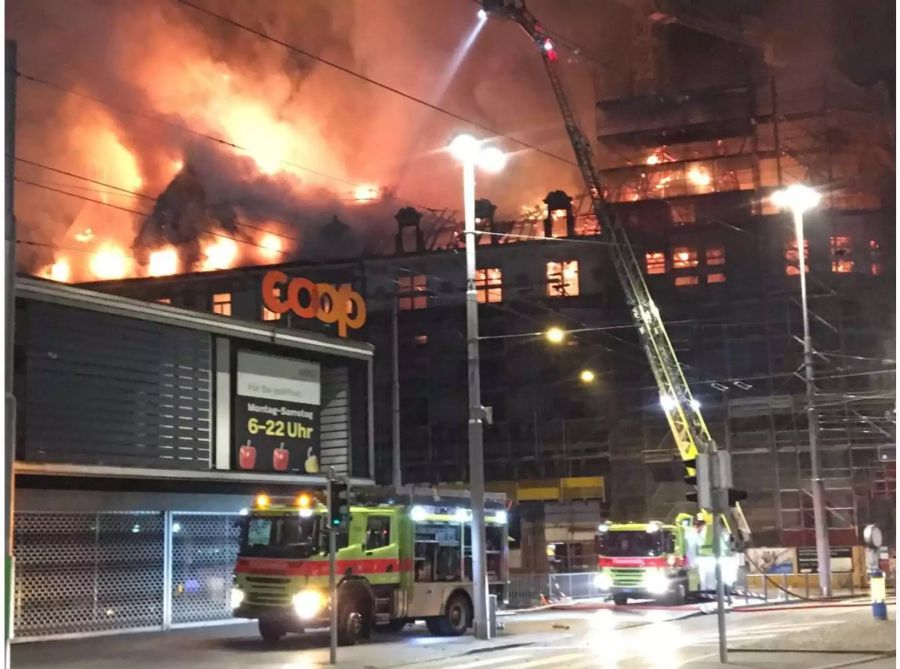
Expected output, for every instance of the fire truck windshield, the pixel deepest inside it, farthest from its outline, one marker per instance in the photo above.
(288, 536)
(634, 543)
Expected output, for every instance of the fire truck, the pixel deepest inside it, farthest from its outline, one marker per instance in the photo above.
(682, 411)
(663, 562)
(401, 558)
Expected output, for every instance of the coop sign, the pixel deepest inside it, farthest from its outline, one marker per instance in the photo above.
(329, 303)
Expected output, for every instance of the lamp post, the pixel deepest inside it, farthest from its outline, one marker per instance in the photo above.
(800, 199)
(470, 152)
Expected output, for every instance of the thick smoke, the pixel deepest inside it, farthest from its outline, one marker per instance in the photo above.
(161, 59)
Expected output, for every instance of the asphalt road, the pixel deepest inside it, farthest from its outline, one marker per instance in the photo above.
(633, 638)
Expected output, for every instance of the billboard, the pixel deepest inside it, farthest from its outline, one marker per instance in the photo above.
(276, 414)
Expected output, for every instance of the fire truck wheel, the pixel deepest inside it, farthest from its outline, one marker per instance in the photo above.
(393, 626)
(350, 621)
(620, 599)
(678, 594)
(272, 630)
(456, 619)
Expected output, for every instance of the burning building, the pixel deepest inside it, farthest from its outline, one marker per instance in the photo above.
(689, 161)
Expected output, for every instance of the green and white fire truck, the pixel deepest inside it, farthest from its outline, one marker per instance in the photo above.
(668, 563)
(401, 558)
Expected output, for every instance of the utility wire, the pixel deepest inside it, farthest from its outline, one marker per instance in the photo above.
(140, 213)
(374, 82)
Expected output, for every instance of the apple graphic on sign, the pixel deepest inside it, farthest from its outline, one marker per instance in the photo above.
(247, 456)
(280, 457)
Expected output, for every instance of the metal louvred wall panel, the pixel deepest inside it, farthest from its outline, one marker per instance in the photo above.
(204, 552)
(87, 572)
(107, 390)
(334, 425)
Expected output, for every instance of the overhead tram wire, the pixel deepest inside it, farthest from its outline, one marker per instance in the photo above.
(374, 82)
(188, 130)
(136, 212)
(584, 328)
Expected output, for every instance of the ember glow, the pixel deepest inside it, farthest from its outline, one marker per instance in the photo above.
(270, 246)
(163, 262)
(699, 177)
(366, 193)
(109, 262)
(219, 254)
(58, 271)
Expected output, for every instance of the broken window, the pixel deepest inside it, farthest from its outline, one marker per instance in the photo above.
(489, 284)
(221, 304)
(411, 292)
(684, 257)
(686, 280)
(875, 257)
(715, 255)
(562, 278)
(656, 262)
(841, 254)
(792, 259)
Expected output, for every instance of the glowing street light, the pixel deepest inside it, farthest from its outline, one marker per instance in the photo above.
(555, 335)
(587, 376)
(796, 198)
(471, 153)
(799, 199)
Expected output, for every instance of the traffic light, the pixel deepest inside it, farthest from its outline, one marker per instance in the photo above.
(697, 474)
(339, 511)
(735, 496)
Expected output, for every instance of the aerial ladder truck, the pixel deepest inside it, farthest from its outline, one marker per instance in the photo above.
(695, 445)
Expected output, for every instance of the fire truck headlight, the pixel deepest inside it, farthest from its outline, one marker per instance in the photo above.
(656, 582)
(237, 597)
(603, 581)
(308, 603)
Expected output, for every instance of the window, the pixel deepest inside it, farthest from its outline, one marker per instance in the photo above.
(841, 254)
(562, 278)
(489, 285)
(221, 304)
(686, 280)
(684, 257)
(717, 277)
(715, 255)
(792, 260)
(378, 532)
(408, 292)
(656, 262)
(268, 314)
(875, 256)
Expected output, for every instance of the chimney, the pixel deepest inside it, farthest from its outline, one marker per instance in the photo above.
(408, 217)
(557, 200)
(484, 218)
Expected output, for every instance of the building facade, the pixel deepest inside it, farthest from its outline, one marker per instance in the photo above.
(727, 286)
(137, 446)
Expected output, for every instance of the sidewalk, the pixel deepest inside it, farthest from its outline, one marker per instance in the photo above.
(857, 632)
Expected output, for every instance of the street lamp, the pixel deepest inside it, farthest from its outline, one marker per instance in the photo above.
(587, 376)
(471, 152)
(799, 199)
(555, 335)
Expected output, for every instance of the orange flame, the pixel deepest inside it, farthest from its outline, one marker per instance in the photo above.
(270, 245)
(110, 262)
(699, 177)
(60, 271)
(163, 262)
(366, 193)
(219, 254)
